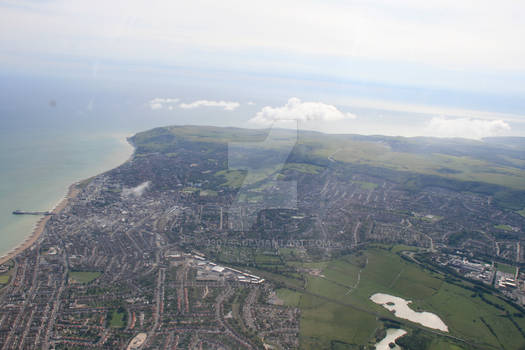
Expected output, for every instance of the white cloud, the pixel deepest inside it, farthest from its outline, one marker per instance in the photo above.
(466, 127)
(171, 103)
(294, 109)
(160, 103)
(227, 105)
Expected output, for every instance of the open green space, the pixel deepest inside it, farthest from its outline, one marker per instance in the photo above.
(83, 276)
(505, 267)
(289, 297)
(5, 276)
(323, 322)
(335, 306)
(189, 189)
(366, 185)
(233, 178)
(304, 168)
(503, 227)
(117, 319)
(208, 193)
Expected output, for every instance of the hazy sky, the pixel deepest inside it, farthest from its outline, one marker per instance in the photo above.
(459, 65)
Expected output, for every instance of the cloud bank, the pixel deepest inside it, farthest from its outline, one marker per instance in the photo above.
(160, 103)
(227, 105)
(466, 127)
(297, 110)
(172, 103)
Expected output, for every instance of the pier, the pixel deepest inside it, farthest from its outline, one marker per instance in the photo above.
(22, 212)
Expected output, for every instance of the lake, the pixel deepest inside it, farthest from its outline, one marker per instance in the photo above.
(400, 307)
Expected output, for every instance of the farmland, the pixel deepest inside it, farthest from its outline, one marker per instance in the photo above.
(335, 305)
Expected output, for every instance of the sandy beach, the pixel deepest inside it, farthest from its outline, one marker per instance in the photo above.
(40, 225)
(123, 156)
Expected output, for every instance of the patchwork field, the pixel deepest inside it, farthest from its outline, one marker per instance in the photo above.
(336, 310)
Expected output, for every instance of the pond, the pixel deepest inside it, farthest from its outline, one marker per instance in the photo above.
(391, 335)
(401, 308)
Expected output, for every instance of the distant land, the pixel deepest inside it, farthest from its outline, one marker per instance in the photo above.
(494, 165)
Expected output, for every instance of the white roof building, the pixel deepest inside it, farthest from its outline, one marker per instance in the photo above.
(218, 268)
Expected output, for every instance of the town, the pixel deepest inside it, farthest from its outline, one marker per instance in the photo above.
(164, 253)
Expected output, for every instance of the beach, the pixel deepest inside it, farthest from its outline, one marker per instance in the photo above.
(38, 171)
(40, 225)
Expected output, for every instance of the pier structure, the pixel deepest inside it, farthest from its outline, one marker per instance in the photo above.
(23, 212)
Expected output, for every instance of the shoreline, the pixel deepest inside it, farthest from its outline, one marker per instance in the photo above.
(38, 229)
(72, 192)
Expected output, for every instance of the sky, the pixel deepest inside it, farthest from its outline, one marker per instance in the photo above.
(406, 67)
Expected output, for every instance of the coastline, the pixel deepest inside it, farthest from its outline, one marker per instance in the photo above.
(39, 227)
(73, 191)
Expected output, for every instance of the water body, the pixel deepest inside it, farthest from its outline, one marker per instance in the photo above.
(38, 167)
(391, 335)
(401, 308)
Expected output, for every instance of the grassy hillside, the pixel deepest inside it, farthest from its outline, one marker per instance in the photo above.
(493, 167)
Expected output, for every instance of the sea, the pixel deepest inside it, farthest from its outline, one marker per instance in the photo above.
(38, 168)
(57, 131)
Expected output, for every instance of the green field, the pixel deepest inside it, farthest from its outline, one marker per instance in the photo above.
(521, 212)
(83, 276)
(323, 322)
(335, 308)
(117, 319)
(233, 178)
(208, 193)
(505, 268)
(189, 189)
(366, 185)
(4, 277)
(336, 312)
(289, 297)
(463, 168)
(503, 227)
(304, 168)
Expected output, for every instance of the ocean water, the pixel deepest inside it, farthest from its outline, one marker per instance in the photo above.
(55, 131)
(38, 167)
